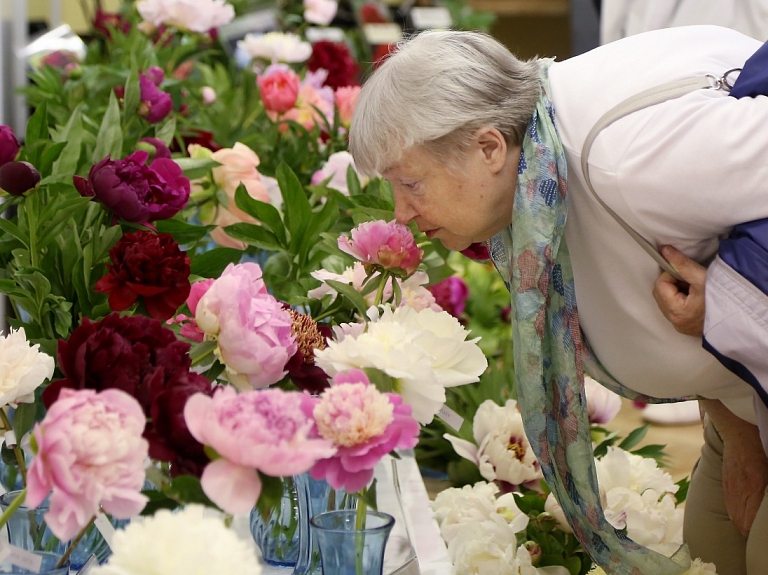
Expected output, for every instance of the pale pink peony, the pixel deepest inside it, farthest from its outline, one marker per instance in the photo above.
(336, 168)
(266, 430)
(90, 453)
(320, 11)
(238, 166)
(602, 403)
(386, 244)
(252, 328)
(364, 424)
(346, 98)
(279, 89)
(194, 15)
(189, 327)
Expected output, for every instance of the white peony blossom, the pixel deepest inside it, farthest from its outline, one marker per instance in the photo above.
(276, 47)
(195, 15)
(552, 507)
(23, 367)
(424, 351)
(602, 403)
(181, 543)
(639, 497)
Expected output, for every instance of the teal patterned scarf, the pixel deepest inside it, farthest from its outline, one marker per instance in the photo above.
(550, 353)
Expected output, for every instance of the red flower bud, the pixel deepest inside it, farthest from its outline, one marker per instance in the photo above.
(18, 177)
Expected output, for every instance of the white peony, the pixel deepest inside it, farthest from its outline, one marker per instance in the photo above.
(552, 507)
(23, 367)
(698, 567)
(467, 504)
(276, 47)
(639, 497)
(181, 543)
(602, 403)
(424, 351)
(195, 15)
(502, 450)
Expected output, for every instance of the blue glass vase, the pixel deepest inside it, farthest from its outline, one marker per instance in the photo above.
(48, 566)
(347, 550)
(278, 535)
(27, 529)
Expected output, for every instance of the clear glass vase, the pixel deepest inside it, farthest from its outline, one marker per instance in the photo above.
(346, 549)
(27, 529)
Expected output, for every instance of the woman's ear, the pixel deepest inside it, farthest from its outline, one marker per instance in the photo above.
(492, 147)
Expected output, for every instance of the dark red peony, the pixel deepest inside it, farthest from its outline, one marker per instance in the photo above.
(477, 251)
(335, 57)
(451, 294)
(150, 266)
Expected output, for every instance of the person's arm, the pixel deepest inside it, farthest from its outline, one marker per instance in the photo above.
(745, 464)
(682, 304)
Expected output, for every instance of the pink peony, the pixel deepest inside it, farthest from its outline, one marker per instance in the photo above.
(193, 15)
(252, 328)
(320, 11)
(266, 430)
(90, 453)
(346, 98)
(386, 244)
(279, 89)
(364, 424)
(451, 295)
(305, 112)
(189, 327)
(336, 168)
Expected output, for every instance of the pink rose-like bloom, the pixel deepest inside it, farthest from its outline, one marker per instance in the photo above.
(266, 430)
(386, 244)
(346, 98)
(364, 424)
(320, 11)
(279, 89)
(252, 328)
(305, 112)
(90, 453)
(451, 295)
(195, 15)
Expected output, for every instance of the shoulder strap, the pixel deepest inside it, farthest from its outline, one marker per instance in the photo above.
(639, 101)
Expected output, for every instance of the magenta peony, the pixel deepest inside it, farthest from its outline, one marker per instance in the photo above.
(364, 424)
(155, 104)
(9, 145)
(386, 244)
(451, 295)
(90, 453)
(251, 327)
(264, 430)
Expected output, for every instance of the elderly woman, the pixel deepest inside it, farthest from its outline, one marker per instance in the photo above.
(482, 147)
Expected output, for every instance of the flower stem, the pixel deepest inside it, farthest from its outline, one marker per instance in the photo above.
(382, 285)
(16, 448)
(15, 504)
(74, 543)
(362, 512)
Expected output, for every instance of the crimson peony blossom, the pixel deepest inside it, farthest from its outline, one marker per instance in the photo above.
(155, 104)
(335, 58)
(477, 251)
(386, 244)
(104, 22)
(18, 177)
(136, 192)
(90, 454)
(451, 295)
(301, 367)
(268, 430)
(364, 425)
(9, 145)
(151, 266)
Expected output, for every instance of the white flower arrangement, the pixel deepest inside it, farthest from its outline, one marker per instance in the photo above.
(186, 542)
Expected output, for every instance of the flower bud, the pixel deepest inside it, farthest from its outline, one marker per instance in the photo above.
(209, 95)
(535, 551)
(18, 177)
(9, 145)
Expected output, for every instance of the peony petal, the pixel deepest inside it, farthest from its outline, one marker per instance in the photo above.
(465, 449)
(234, 488)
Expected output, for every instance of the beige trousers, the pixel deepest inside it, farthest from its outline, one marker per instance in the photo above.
(709, 533)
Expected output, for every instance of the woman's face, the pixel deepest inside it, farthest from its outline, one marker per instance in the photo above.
(460, 207)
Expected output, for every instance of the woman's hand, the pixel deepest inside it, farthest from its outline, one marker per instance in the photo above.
(682, 303)
(745, 465)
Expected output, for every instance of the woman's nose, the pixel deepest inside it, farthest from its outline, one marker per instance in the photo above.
(404, 212)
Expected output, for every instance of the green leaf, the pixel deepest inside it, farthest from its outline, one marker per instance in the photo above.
(132, 94)
(210, 264)
(183, 232)
(73, 136)
(351, 294)
(634, 438)
(24, 418)
(682, 491)
(109, 142)
(266, 213)
(166, 131)
(253, 235)
(297, 210)
(187, 489)
(12, 229)
(195, 168)
(271, 494)
(37, 125)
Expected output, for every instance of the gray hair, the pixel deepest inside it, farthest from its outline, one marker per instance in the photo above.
(436, 90)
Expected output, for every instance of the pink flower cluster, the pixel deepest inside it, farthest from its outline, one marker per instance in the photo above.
(90, 453)
(386, 244)
(364, 424)
(265, 430)
(251, 327)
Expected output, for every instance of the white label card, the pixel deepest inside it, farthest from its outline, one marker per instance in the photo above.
(424, 18)
(106, 529)
(315, 34)
(10, 438)
(453, 419)
(377, 34)
(20, 557)
(93, 561)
